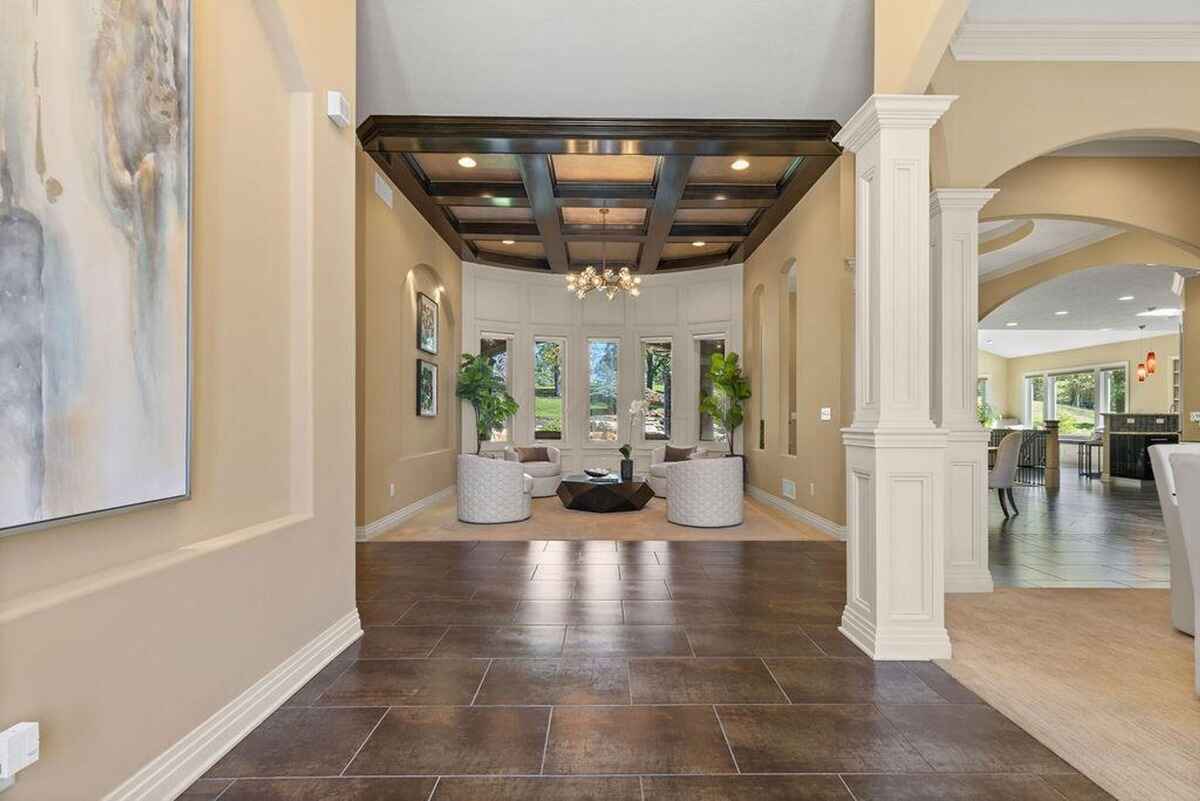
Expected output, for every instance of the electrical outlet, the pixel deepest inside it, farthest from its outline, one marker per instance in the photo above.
(826, 414)
(812, 490)
(789, 489)
(391, 490)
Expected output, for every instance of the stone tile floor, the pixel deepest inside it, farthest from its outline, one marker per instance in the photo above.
(1085, 534)
(646, 671)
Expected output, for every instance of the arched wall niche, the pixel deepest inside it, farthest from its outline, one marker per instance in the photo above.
(789, 330)
(760, 368)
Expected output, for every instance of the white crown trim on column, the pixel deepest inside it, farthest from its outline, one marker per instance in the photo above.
(1077, 41)
(891, 111)
(970, 199)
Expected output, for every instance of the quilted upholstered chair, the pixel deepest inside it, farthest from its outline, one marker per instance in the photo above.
(492, 490)
(546, 473)
(705, 493)
(1183, 577)
(1186, 469)
(657, 479)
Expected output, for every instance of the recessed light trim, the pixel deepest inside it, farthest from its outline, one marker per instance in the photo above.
(508, 242)
(739, 164)
(699, 243)
(1126, 297)
(1011, 325)
(1061, 313)
(467, 162)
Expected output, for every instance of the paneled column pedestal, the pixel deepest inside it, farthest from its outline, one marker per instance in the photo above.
(895, 456)
(954, 234)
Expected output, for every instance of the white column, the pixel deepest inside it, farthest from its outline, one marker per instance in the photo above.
(954, 226)
(895, 455)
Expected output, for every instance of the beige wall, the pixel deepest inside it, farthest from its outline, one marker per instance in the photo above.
(814, 236)
(1010, 112)
(399, 255)
(1191, 345)
(1152, 396)
(122, 634)
(995, 368)
(910, 38)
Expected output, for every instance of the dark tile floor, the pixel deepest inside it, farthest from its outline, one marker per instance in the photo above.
(1085, 534)
(612, 671)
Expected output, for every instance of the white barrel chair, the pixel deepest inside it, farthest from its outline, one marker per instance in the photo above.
(1185, 466)
(1183, 611)
(546, 475)
(705, 493)
(492, 490)
(657, 477)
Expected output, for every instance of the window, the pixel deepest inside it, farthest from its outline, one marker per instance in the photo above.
(656, 388)
(759, 378)
(1035, 400)
(549, 375)
(1112, 390)
(495, 348)
(710, 429)
(603, 389)
(1074, 401)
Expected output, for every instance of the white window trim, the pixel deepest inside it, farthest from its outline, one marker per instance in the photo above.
(563, 343)
(1050, 411)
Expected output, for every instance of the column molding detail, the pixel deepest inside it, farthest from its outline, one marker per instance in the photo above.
(896, 462)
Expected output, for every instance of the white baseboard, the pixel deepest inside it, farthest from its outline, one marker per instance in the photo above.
(397, 517)
(803, 515)
(174, 770)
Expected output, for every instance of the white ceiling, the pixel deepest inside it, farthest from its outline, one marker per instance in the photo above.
(1049, 238)
(1084, 10)
(1096, 315)
(618, 58)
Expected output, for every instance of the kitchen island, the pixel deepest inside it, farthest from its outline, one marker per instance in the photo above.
(1126, 439)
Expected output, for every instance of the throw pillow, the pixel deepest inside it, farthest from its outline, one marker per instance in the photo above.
(678, 454)
(532, 455)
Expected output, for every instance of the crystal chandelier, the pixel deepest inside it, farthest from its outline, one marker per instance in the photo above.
(605, 279)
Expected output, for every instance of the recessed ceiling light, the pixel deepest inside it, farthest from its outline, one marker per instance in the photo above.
(699, 243)
(1011, 325)
(987, 341)
(466, 161)
(1156, 312)
(719, 197)
(1062, 313)
(507, 242)
(1125, 297)
(740, 164)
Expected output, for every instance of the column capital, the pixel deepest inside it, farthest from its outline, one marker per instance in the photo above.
(886, 112)
(973, 200)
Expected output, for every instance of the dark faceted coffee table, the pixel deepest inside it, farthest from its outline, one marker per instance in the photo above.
(585, 494)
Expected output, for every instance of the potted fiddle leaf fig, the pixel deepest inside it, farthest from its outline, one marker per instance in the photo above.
(481, 386)
(730, 389)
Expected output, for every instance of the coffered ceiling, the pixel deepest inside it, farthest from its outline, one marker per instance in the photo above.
(528, 193)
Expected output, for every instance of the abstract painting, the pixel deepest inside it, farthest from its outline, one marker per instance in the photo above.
(427, 323)
(95, 241)
(427, 388)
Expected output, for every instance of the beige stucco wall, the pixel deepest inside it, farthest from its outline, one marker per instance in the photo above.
(399, 255)
(1010, 112)
(122, 634)
(910, 38)
(995, 368)
(813, 235)
(1152, 396)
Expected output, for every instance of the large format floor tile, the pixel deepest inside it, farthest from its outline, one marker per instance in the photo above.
(564, 670)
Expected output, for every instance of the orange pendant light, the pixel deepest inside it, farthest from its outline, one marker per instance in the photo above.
(1151, 363)
(1141, 373)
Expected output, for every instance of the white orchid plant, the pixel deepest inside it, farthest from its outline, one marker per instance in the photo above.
(636, 409)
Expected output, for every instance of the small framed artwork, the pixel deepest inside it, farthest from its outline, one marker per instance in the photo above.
(427, 323)
(427, 388)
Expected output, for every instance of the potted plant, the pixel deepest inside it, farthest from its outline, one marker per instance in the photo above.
(636, 408)
(479, 385)
(730, 389)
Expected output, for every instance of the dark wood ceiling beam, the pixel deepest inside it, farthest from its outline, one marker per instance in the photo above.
(477, 193)
(801, 181)
(672, 179)
(626, 196)
(512, 262)
(539, 186)
(695, 262)
(518, 232)
(707, 233)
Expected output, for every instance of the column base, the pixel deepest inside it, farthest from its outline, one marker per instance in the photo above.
(895, 643)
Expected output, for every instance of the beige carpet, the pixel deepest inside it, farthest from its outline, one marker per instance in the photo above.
(550, 521)
(1098, 675)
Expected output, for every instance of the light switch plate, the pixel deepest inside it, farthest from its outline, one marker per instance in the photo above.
(826, 413)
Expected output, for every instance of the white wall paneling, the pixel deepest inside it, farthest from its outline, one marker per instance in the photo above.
(527, 306)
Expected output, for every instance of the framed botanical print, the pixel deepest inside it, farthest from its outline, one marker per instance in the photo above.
(427, 323)
(427, 388)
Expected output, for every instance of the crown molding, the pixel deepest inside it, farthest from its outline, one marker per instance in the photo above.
(1077, 41)
(891, 112)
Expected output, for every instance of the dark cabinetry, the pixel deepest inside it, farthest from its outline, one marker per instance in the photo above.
(1128, 455)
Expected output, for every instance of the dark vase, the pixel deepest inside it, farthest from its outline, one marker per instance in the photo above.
(627, 470)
